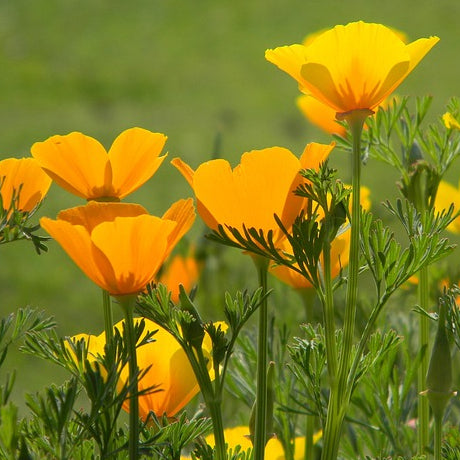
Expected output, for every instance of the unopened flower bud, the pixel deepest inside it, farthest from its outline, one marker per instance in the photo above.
(439, 376)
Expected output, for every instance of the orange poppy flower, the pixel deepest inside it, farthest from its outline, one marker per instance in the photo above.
(82, 166)
(340, 249)
(170, 371)
(259, 187)
(320, 115)
(180, 270)
(119, 246)
(351, 67)
(24, 182)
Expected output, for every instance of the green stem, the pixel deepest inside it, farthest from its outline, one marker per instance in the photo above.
(424, 337)
(127, 303)
(329, 315)
(308, 297)
(262, 347)
(213, 402)
(108, 317)
(338, 399)
(437, 437)
(108, 328)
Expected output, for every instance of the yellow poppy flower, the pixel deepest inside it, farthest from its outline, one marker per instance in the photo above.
(23, 181)
(180, 270)
(169, 370)
(450, 122)
(446, 195)
(259, 187)
(82, 166)
(351, 67)
(119, 246)
(239, 436)
(340, 249)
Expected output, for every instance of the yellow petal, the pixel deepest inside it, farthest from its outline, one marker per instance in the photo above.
(251, 193)
(314, 154)
(184, 169)
(75, 240)
(352, 67)
(183, 213)
(135, 248)
(447, 195)
(94, 213)
(77, 163)
(450, 122)
(24, 177)
(289, 59)
(134, 157)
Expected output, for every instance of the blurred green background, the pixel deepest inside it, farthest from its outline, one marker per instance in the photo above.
(194, 70)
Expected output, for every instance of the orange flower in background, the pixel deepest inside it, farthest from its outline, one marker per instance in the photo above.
(82, 166)
(119, 246)
(320, 115)
(250, 194)
(22, 183)
(180, 270)
(351, 67)
(170, 372)
(340, 248)
(446, 195)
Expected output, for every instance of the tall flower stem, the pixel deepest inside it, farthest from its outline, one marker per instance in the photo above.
(260, 434)
(424, 337)
(127, 304)
(338, 399)
(308, 297)
(108, 328)
(108, 317)
(437, 438)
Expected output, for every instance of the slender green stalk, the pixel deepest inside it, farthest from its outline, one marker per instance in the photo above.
(437, 437)
(108, 317)
(108, 328)
(329, 315)
(308, 297)
(260, 434)
(127, 303)
(424, 337)
(338, 399)
(213, 401)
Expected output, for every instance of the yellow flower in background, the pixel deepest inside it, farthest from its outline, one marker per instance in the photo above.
(450, 122)
(250, 194)
(239, 436)
(22, 184)
(170, 372)
(351, 67)
(340, 248)
(446, 195)
(120, 247)
(184, 270)
(82, 166)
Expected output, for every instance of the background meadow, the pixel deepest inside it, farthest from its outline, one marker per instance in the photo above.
(196, 72)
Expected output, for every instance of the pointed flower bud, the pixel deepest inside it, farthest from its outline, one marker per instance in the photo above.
(439, 376)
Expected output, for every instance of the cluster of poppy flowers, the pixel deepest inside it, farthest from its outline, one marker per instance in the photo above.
(121, 247)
